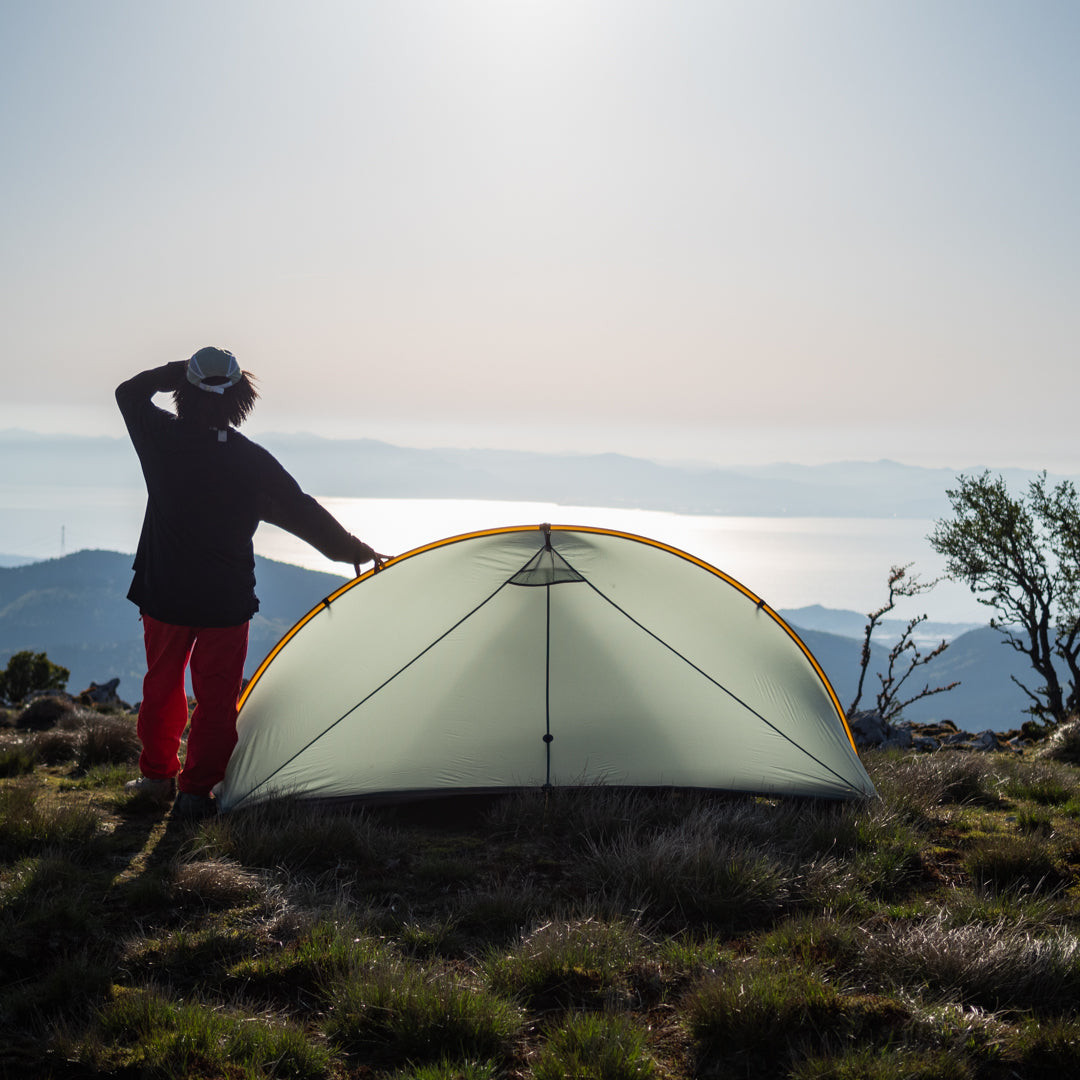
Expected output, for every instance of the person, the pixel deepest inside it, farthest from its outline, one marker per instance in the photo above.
(208, 487)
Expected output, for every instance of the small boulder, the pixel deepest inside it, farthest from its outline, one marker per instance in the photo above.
(868, 729)
(985, 740)
(101, 693)
(899, 738)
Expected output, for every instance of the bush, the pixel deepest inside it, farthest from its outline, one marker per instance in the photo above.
(44, 713)
(29, 671)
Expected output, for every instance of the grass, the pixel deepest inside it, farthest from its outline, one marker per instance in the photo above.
(395, 1010)
(147, 1031)
(594, 1046)
(594, 933)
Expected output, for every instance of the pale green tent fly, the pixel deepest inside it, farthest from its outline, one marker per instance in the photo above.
(534, 656)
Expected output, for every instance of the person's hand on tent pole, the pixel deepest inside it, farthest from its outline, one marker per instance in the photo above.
(366, 553)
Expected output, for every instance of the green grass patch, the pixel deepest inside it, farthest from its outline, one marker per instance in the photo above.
(32, 820)
(1039, 821)
(1044, 787)
(301, 836)
(594, 1046)
(109, 775)
(1010, 863)
(576, 964)
(145, 1033)
(394, 1009)
(887, 1063)
(17, 760)
(761, 1017)
(330, 951)
(584, 932)
(449, 1070)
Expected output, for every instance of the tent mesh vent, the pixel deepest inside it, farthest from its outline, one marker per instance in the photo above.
(546, 567)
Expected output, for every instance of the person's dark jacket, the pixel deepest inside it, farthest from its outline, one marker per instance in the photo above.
(207, 491)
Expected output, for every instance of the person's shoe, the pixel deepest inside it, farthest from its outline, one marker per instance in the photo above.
(193, 807)
(155, 790)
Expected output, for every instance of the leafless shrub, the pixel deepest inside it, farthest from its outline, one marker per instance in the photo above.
(891, 701)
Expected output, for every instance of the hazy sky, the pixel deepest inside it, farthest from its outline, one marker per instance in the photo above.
(741, 232)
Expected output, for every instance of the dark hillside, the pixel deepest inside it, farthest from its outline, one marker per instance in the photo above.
(75, 609)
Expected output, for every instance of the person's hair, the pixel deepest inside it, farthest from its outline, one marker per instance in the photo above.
(216, 410)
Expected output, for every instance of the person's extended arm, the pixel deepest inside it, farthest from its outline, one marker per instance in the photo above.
(292, 510)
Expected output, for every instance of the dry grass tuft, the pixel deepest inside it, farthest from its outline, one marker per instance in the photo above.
(88, 739)
(1063, 744)
(48, 712)
(217, 882)
(108, 741)
(55, 746)
(999, 966)
(301, 836)
(916, 785)
(697, 870)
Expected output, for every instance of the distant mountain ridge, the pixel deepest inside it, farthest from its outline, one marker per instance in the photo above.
(74, 608)
(366, 468)
(852, 624)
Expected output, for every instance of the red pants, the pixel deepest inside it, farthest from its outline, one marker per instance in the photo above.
(217, 657)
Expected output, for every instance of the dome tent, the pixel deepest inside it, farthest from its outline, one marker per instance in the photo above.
(547, 655)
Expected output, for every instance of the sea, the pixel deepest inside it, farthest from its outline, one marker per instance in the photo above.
(791, 562)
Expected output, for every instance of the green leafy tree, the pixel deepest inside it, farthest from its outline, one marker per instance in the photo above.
(1020, 555)
(29, 671)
